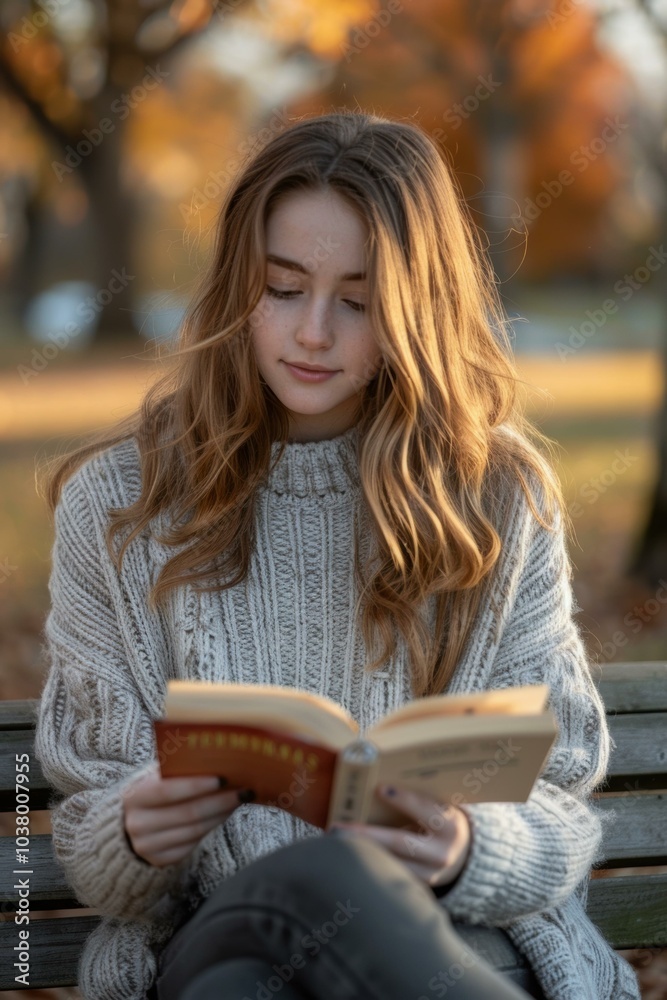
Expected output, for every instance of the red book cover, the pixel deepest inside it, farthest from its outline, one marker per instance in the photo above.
(284, 771)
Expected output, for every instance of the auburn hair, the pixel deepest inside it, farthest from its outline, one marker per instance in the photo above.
(443, 441)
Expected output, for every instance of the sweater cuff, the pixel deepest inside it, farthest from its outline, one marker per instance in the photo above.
(479, 893)
(525, 856)
(108, 874)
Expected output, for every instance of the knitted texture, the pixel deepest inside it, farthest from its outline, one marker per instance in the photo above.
(292, 623)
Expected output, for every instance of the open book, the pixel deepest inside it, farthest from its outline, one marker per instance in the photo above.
(303, 752)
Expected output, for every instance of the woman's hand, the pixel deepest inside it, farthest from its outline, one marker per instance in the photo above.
(436, 849)
(165, 818)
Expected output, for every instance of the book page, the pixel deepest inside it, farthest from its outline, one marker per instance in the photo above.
(497, 766)
(527, 699)
(290, 710)
(442, 732)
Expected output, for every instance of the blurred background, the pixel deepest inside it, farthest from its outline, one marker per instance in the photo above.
(122, 122)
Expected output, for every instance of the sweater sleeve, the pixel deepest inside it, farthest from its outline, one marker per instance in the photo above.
(94, 737)
(531, 856)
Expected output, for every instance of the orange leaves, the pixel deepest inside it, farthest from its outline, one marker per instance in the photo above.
(191, 15)
(322, 27)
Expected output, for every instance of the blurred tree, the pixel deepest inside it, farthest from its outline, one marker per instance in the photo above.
(517, 92)
(650, 559)
(79, 73)
(80, 68)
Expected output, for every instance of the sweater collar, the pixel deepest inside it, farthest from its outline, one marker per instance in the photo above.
(316, 468)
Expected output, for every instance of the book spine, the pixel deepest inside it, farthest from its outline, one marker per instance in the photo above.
(355, 778)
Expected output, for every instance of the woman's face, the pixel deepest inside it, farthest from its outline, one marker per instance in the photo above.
(313, 313)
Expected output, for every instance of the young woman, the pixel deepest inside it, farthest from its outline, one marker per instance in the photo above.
(336, 457)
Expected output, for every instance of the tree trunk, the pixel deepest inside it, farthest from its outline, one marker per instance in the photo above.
(114, 212)
(25, 279)
(501, 128)
(650, 560)
(503, 183)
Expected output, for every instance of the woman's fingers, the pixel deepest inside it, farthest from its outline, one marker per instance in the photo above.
(154, 790)
(165, 818)
(402, 843)
(422, 808)
(161, 843)
(157, 841)
(187, 813)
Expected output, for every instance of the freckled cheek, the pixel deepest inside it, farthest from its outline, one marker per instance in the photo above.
(268, 338)
(265, 351)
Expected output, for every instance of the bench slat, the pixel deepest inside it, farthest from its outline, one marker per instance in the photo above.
(632, 687)
(48, 884)
(638, 835)
(21, 714)
(55, 947)
(641, 744)
(631, 911)
(19, 741)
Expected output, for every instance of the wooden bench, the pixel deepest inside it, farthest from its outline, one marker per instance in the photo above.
(630, 910)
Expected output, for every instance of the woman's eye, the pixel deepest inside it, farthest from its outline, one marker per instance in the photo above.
(278, 294)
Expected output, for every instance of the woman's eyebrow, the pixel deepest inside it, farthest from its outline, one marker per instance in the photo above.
(293, 265)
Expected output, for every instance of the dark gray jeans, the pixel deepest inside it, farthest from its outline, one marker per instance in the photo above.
(335, 917)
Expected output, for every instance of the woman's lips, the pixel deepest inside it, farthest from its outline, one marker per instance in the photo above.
(305, 375)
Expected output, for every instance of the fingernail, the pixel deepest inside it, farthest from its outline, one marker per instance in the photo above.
(222, 782)
(246, 795)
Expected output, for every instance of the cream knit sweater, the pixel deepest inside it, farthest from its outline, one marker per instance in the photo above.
(291, 623)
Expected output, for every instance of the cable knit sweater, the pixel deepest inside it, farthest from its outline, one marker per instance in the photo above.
(291, 623)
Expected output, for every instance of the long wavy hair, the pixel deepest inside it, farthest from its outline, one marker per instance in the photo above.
(443, 441)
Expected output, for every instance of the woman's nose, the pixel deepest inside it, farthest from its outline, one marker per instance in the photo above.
(315, 324)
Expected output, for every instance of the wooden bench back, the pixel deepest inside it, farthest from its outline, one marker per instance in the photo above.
(54, 944)
(630, 910)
